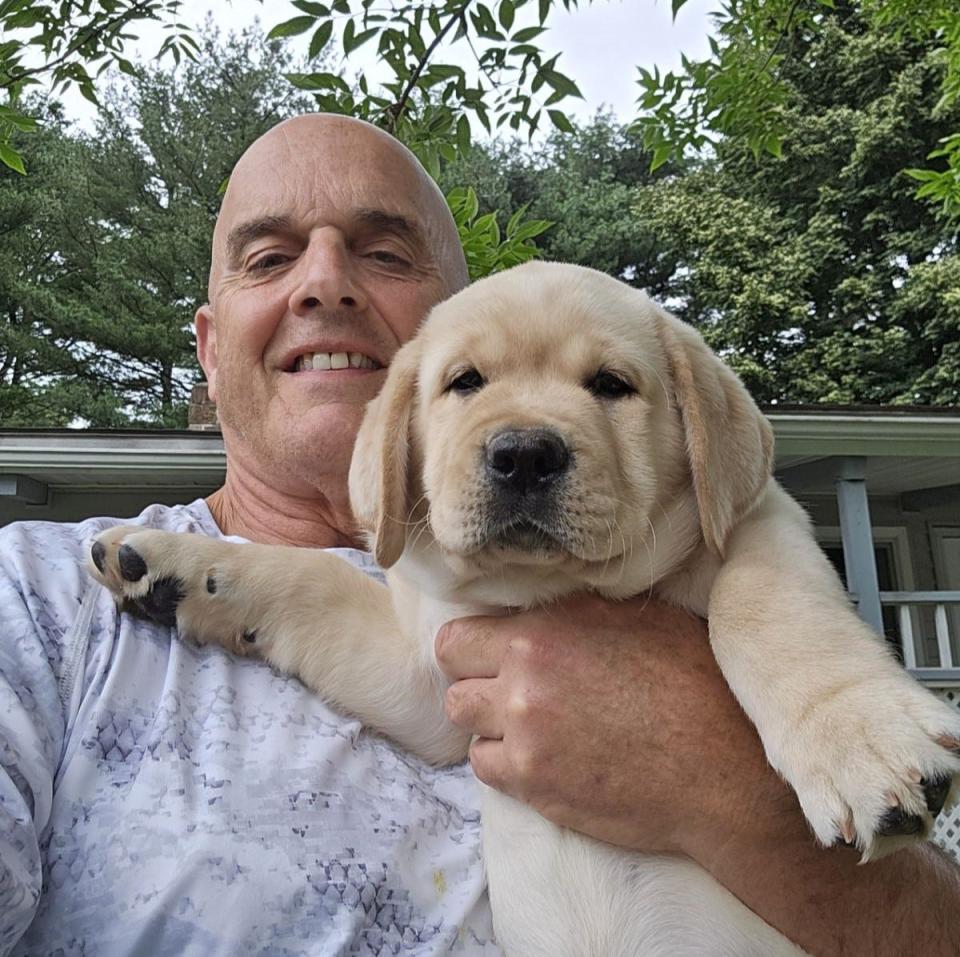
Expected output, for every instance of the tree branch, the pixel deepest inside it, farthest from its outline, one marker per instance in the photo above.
(83, 35)
(394, 111)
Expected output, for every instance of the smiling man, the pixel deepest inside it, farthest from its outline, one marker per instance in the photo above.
(162, 798)
(319, 275)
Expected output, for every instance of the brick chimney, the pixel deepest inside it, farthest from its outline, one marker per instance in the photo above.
(202, 414)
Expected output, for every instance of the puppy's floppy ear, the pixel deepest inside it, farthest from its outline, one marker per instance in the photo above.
(729, 442)
(382, 479)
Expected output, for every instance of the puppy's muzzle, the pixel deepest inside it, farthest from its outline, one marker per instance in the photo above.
(526, 462)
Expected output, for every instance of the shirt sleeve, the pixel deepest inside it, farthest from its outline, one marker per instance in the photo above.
(32, 629)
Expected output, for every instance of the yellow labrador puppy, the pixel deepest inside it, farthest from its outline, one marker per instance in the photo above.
(564, 433)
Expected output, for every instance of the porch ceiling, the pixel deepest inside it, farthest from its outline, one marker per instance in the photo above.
(885, 475)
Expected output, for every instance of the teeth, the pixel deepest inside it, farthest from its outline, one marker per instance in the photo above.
(325, 361)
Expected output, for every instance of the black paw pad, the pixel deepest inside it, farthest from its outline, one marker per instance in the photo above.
(935, 791)
(843, 842)
(160, 603)
(98, 552)
(132, 565)
(897, 821)
(250, 637)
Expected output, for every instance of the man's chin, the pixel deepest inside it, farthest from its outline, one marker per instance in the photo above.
(300, 441)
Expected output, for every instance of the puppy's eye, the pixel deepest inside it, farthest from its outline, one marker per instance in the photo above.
(608, 385)
(468, 381)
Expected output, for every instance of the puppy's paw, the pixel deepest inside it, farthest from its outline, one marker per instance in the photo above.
(175, 580)
(874, 762)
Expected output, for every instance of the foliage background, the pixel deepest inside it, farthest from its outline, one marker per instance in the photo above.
(790, 230)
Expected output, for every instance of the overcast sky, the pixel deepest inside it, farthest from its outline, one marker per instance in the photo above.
(601, 44)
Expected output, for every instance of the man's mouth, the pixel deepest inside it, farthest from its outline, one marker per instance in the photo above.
(333, 361)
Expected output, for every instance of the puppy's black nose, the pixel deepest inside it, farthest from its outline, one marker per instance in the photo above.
(526, 460)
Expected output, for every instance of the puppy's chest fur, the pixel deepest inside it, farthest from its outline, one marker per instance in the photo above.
(557, 893)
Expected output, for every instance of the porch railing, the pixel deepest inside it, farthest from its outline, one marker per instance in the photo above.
(925, 615)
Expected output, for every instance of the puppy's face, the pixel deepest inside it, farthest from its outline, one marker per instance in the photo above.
(552, 416)
(544, 423)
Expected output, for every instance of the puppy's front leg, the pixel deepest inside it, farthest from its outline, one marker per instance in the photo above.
(308, 613)
(870, 753)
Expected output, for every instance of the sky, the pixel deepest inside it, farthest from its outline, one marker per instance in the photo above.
(601, 44)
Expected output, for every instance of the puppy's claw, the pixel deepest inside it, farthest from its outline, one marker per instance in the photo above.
(949, 742)
(848, 835)
(132, 565)
(935, 791)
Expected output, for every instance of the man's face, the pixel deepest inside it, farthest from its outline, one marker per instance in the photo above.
(326, 259)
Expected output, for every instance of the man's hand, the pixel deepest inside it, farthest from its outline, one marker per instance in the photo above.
(609, 718)
(614, 719)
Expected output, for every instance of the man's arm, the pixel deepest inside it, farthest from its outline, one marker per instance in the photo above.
(614, 719)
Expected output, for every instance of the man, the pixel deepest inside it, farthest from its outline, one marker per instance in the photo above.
(178, 800)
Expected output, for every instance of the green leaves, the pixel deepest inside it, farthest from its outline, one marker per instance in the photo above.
(486, 249)
(452, 63)
(291, 28)
(11, 158)
(742, 91)
(560, 121)
(106, 240)
(942, 186)
(75, 44)
(320, 38)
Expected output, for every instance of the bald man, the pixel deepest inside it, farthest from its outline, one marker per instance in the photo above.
(159, 798)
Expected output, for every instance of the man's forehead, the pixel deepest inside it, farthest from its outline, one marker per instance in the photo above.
(318, 169)
(302, 194)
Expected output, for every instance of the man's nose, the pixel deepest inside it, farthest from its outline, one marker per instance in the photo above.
(327, 277)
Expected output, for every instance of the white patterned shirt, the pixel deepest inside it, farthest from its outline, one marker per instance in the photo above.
(159, 798)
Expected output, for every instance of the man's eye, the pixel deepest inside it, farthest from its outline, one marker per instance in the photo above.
(270, 261)
(468, 381)
(387, 257)
(608, 385)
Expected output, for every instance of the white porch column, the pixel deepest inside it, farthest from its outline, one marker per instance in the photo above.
(858, 554)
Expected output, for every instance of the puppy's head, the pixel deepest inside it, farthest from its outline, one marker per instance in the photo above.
(550, 416)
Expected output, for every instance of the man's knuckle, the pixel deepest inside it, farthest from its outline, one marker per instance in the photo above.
(455, 705)
(519, 706)
(444, 643)
(524, 761)
(487, 771)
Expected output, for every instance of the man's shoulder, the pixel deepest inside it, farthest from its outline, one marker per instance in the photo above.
(192, 517)
(53, 554)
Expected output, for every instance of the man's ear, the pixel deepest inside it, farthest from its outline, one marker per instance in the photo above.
(729, 442)
(383, 482)
(206, 331)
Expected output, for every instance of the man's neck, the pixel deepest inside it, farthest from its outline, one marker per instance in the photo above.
(251, 508)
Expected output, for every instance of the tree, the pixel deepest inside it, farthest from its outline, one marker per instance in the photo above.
(822, 278)
(583, 182)
(125, 246)
(70, 39)
(41, 377)
(743, 91)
